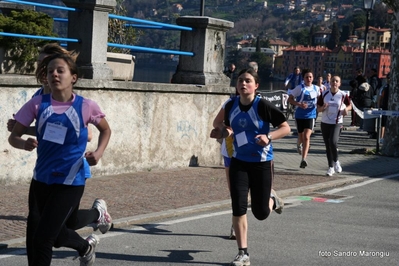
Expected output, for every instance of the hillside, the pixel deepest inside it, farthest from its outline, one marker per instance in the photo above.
(251, 18)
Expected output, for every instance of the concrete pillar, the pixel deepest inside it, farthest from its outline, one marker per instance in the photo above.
(6, 8)
(90, 24)
(207, 41)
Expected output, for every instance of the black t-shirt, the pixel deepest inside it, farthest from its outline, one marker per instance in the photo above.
(266, 111)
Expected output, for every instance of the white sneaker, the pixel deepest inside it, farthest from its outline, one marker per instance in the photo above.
(337, 167)
(278, 202)
(104, 222)
(299, 149)
(241, 259)
(89, 258)
(330, 171)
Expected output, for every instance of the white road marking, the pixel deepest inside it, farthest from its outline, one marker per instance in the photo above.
(336, 190)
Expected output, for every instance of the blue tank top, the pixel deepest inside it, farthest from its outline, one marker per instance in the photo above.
(61, 160)
(86, 164)
(246, 125)
(305, 96)
(38, 92)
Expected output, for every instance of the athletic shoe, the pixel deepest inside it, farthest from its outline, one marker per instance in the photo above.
(299, 149)
(278, 202)
(89, 258)
(303, 164)
(330, 171)
(337, 167)
(241, 259)
(232, 233)
(104, 222)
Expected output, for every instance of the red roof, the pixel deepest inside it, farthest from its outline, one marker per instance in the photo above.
(301, 48)
(346, 6)
(374, 29)
(245, 42)
(278, 42)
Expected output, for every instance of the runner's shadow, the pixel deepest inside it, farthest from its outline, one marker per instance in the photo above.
(12, 217)
(152, 229)
(171, 257)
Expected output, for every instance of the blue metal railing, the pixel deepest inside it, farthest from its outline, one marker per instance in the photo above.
(50, 38)
(41, 5)
(60, 19)
(150, 50)
(144, 24)
(132, 47)
(164, 25)
(139, 26)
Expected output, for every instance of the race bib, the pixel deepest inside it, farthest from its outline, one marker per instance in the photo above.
(313, 94)
(332, 108)
(55, 133)
(241, 139)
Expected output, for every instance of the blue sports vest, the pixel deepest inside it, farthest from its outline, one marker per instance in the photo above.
(61, 163)
(86, 164)
(309, 112)
(249, 124)
(38, 92)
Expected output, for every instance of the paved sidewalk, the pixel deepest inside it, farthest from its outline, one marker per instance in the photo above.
(141, 197)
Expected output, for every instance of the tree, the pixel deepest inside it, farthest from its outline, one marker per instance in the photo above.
(257, 44)
(391, 138)
(347, 31)
(311, 33)
(119, 33)
(300, 37)
(334, 38)
(22, 52)
(359, 20)
(380, 17)
(264, 64)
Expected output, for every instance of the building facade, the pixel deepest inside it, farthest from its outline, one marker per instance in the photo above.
(342, 61)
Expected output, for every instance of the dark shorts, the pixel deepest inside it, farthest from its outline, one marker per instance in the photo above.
(253, 177)
(302, 124)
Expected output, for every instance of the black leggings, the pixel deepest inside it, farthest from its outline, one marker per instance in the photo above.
(256, 177)
(331, 134)
(51, 209)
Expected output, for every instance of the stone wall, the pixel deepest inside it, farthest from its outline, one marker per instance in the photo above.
(154, 126)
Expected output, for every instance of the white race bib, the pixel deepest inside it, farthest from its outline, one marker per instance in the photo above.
(241, 139)
(313, 94)
(332, 108)
(55, 133)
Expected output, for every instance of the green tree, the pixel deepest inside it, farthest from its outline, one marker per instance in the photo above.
(334, 38)
(264, 64)
(258, 44)
(231, 57)
(300, 37)
(119, 33)
(347, 31)
(22, 52)
(359, 20)
(311, 33)
(265, 43)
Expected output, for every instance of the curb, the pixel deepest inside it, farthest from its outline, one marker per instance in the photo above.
(145, 218)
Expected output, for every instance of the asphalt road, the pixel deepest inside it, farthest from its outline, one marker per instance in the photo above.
(353, 225)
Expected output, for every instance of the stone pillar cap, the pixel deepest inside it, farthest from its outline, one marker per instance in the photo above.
(204, 22)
